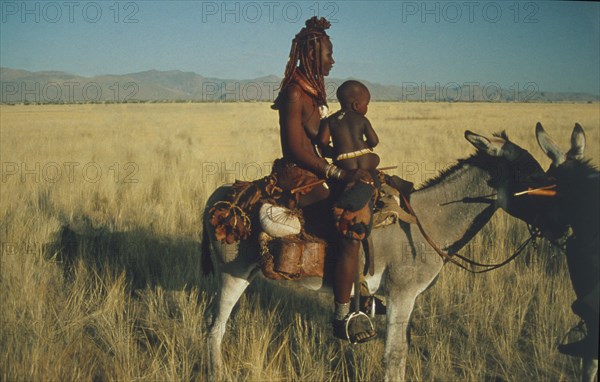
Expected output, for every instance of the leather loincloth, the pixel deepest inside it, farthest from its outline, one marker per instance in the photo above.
(353, 210)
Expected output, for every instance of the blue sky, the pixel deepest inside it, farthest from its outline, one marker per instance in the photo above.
(555, 45)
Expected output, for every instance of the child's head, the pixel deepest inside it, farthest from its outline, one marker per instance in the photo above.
(354, 95)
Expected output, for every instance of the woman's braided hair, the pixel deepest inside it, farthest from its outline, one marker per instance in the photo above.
(308, 39)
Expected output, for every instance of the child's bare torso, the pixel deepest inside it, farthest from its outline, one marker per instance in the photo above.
(347, 131)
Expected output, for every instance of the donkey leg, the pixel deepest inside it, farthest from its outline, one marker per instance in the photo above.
(399, 309)
(589, 369)
(230, 289)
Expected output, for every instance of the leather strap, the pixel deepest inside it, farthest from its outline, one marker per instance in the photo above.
(448, 258)
(369, 256)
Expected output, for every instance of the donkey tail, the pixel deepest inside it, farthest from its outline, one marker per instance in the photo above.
(207, 264)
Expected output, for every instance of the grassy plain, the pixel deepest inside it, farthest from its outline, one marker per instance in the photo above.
(100, 274)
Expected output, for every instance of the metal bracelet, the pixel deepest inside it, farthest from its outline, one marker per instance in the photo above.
(329, 169)
(334, 172)
(337, 174)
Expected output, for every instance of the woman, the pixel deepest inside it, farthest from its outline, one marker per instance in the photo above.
(301, 104)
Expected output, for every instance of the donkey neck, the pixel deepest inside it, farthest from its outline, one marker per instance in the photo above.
(456, 205)
(579, 187)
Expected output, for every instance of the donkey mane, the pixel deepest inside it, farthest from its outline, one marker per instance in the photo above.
(577, 173)
(502, 134)
(584, 168)
(479, 159)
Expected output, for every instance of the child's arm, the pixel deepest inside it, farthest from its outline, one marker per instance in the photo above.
(370, 134)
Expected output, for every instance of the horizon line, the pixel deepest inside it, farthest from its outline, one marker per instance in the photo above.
(389, 84)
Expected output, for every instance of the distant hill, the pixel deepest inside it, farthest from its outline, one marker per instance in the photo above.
(21, 86)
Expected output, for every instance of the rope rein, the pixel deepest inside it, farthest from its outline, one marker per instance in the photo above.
(534, 234)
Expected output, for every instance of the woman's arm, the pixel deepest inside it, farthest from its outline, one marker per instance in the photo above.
(324, 136)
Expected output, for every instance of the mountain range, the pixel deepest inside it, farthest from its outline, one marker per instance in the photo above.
(21, 86)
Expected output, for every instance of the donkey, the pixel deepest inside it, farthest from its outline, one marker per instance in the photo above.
(452, 208)
(578, 185)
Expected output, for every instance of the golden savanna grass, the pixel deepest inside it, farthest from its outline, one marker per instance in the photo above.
(100, 274)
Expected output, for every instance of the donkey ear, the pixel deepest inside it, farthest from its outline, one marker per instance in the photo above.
(548, 146)
(482, 143)
(577, 143)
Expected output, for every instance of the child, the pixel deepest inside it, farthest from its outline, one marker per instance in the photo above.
(347, 127)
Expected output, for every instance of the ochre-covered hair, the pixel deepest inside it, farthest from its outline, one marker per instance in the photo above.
(308, 39)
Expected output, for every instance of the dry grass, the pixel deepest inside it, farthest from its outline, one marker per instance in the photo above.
(119, 295)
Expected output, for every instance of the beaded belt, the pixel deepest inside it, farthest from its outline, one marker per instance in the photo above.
(354, 154)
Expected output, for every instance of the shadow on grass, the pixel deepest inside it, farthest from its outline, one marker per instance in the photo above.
(147, 259)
